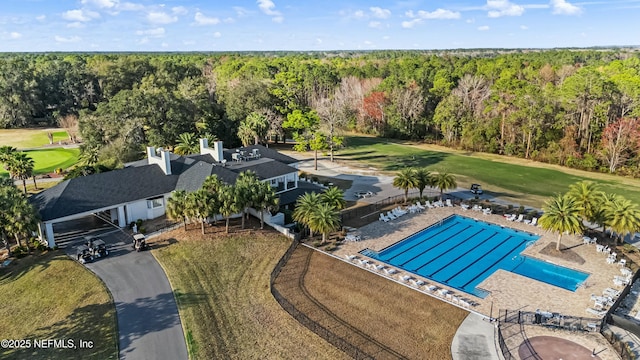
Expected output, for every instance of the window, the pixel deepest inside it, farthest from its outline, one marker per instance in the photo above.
(155, 203)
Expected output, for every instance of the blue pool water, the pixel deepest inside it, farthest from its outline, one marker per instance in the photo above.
(461, 253)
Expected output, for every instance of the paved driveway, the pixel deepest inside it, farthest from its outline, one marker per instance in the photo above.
(148, 322)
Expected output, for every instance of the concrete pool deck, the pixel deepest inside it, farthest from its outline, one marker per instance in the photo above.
(507, 290)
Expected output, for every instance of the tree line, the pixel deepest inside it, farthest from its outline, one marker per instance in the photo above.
(576, 108)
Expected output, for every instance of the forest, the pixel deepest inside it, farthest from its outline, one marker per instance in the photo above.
(573, 107)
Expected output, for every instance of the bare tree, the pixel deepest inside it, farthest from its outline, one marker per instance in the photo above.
(473, 91)
(69, 122)
(410, 104)
(333, 118)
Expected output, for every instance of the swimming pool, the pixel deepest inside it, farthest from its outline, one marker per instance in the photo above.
(461, 253)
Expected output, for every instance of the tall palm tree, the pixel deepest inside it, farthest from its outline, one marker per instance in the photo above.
(246, 134)
(623, 216)
(198, 206)
(423, 179)
(267, 200)
(7, 153)
(334, 196)
(24, 218)
(588, 196)
(562, 215)
(187, 144)
(21, 167)
(305, 207)
(324, 219)
(212, 184)
(444, 181)
(228, 203)
(405, 180)
(602, 216)
(176, 206)
(246, 190)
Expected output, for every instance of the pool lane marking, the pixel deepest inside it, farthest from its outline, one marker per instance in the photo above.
(425, 240)
(494, 264)
(446, 251)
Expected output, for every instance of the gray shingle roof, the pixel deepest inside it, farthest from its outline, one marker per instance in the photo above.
(265, 152)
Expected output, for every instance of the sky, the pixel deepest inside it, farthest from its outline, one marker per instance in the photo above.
(303, 25)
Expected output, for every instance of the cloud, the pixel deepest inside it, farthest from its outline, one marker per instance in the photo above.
(411, 23)
(561, 7)
(499, 8)
(80, 15)
(380, 13)
(158, 17)
(76, 25)
(438, 14)
(41, 17)
(524, 27)
(179, 10)
(127, 6)
(375, 24)
(483, 28)
(202, 19)
(267, 7)
(240, 11)
(14, 35)
(217, 34)
(157, 32)
(70, 39)
(108, 4)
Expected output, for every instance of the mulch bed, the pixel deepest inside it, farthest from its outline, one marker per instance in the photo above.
(564, 254)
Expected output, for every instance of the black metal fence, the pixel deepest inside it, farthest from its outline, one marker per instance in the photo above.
(303, 319)
(618, 345)
(372, 209)
(503, 346)
(550, 320)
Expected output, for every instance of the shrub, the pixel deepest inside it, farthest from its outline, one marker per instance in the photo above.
(142, 230)
(139, 222)
(331, 247)
(521, 209)
(317, 243)
(303, 175)
(315, 178)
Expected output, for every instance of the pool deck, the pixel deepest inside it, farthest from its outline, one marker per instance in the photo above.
(507, 290)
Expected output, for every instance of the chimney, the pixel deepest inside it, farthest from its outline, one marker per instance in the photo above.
(216, 152)
(164, 160)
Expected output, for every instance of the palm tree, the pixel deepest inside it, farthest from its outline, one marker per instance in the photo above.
(23, 218)
(267, 200)
(444, 181)
(561, 214)
(588, 196)
(227, 200)
(21, 168)
(405, 180)
(623, 216)
(324, 219)
(212, 185)
(6, 154)
(246, 189)
(187, 144)
(423, 179)
(334, 197)
(176, 206)
(246, 134)
(305, 207)
(198, 206)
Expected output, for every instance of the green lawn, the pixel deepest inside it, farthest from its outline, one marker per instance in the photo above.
(30, 138)
(47, 160)
(51, 296)
(532, 184)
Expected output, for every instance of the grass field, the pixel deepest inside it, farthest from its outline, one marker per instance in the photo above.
(30, 138)
(50, 296)
(222, 289)
(47, 160)
(358, 304)
(525, 181)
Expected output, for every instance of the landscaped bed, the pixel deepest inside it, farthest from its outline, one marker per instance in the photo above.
(50, 296)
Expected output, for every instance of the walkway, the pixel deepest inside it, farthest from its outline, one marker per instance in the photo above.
(148, 321)
(474, 340)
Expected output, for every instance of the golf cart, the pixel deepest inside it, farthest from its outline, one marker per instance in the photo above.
(97, 246)
(83, 254)
(476, 189)
(139, 242)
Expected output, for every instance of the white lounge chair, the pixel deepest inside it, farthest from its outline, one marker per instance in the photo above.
(416, 283)
(391, 216)
(405, 278)
(390, 271)
(380, 267)
(622, 262)
(611, 292)
(464, 206)
(534, 221)
(448, 203)
(486, 211)
(520, 218)
(419, 206)
(429, 205)
(595, 312)
(431, 288)
(510, 217)
(383, 218)
(350, 257)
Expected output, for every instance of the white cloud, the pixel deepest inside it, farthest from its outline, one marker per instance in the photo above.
(318, 41)
(70, 39)
(127, 6)
(358, 14)
(164, 45)
(179, 10)
(143, 41)
(240, 11)
(80, 15)
(228, 20)
(380, 13)
(108, 4)
(158, 17)
(157, 32)
(561, 7)
(524, 27)
(438, 14)
(41, 17)
(76, 25)
(375, 24)
(268, 7)
(14, 35)
(217, 34)
(483, 28)
(498, 8)
(411, 23)
(202, 19)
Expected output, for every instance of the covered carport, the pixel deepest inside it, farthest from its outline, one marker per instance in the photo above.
(67, 231)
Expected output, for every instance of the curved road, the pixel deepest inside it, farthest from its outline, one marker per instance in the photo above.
(148, 322)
